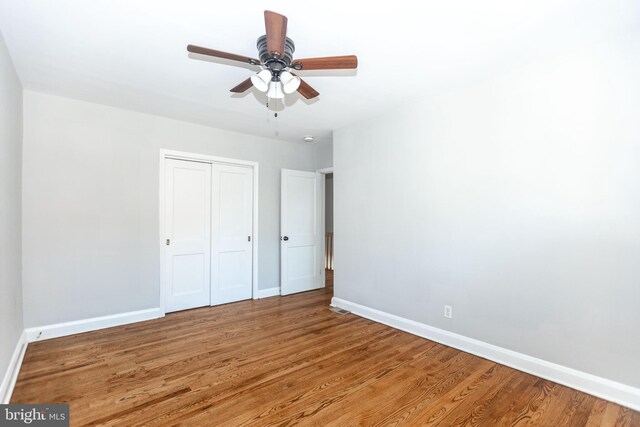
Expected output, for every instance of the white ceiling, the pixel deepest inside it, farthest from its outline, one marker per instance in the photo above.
(132, 53)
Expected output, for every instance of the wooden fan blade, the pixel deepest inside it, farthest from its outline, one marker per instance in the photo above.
(242, 87)
(307, 91)
(219, 54)
(326, 63)
(276, 26)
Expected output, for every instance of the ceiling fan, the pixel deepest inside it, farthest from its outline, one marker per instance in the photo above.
(275, 51)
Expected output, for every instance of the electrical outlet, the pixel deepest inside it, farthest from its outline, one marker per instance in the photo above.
(448, 311)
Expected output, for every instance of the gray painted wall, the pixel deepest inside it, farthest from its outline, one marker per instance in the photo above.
(10, 208)
(91, 203)
(515, 200)
(328, 203)
(324, 155)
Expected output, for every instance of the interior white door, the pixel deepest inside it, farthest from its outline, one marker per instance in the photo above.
(300, 232)
(232, 247)
(188, 234)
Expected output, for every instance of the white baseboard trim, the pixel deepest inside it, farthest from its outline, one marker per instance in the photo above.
(78, 326)
(11, 375)
(613, 391)
(269, 292)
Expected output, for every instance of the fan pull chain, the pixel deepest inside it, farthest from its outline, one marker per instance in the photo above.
(275, 114)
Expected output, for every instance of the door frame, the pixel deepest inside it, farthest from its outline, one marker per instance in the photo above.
(323, 221)
(205, 158)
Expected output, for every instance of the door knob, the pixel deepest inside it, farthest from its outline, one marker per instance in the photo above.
(285, 238)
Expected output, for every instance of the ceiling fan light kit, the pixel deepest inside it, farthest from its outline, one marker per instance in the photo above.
(275, 51)
(275, 88)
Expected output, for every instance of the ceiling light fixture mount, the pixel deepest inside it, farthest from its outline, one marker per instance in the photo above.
(275, 51)
(308, 138)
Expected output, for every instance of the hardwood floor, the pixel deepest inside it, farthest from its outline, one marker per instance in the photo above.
(282, 361)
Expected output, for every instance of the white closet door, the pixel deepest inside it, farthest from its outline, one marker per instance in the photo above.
(300, 232)
(232, 247)
(188, 234)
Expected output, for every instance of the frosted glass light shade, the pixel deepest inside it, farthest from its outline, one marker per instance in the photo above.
(261, 80)
(275, 90)
(290, 83)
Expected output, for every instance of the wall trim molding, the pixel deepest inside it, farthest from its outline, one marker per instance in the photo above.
(613, 391)
(92, 324)
(325, 171)
(11, 375)
(269, 292)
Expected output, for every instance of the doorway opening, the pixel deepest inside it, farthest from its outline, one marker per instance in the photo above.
(303, 239)
(328, 232)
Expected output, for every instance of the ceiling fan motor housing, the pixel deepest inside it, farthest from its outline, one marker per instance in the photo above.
(276, 64)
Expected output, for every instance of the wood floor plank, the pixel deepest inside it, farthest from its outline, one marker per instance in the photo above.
(364, 393)
(535, 409)
(289, 361)
(462, 400)
(597, 413)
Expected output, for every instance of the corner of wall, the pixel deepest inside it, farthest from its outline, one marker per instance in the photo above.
(12, 335)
